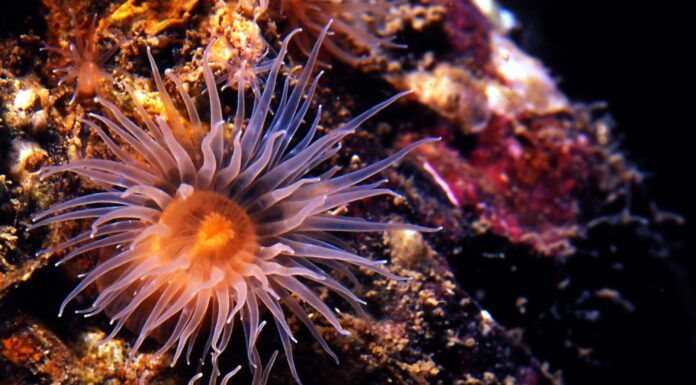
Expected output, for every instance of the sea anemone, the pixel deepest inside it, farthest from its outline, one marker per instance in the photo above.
(353, 21)
(198, 228)
(87, 60)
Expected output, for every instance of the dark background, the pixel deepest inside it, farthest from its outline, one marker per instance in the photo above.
(634, 57)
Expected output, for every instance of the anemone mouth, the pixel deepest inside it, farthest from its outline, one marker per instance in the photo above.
(207, 229)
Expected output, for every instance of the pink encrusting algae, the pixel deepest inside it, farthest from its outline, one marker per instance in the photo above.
(525, 184)
(201, 228)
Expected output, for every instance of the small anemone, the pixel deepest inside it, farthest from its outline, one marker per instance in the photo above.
(87, 61)
(353, 22)
(201, 227)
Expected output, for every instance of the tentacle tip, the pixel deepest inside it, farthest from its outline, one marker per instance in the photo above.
(428, 229)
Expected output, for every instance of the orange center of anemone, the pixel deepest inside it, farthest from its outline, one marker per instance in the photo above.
(209, 230)
(214, 231)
